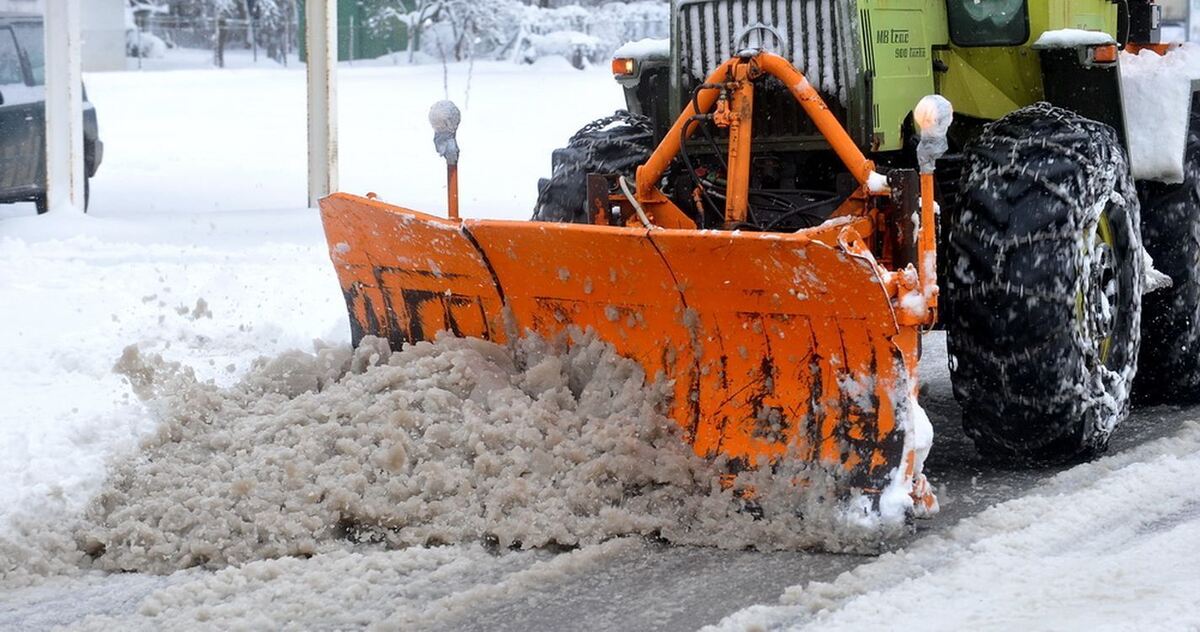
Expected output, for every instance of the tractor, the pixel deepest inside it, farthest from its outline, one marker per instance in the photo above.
(1042, 224)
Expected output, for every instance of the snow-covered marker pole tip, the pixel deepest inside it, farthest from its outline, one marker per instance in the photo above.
(933, 116)
(444, 116)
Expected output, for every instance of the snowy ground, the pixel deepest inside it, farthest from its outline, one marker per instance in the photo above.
(170, 260)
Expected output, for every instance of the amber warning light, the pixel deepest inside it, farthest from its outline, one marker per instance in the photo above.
(1105, 54)
(623, 67)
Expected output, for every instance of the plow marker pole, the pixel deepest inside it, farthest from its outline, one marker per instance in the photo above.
(65, 176)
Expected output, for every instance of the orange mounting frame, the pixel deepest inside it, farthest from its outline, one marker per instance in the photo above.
(727, 97)
(730, 91)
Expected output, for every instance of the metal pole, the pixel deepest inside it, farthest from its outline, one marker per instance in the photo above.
(65, 177)
(219, 50)
(351, 56)
(321, 36)
(287, 34)
(452, 189)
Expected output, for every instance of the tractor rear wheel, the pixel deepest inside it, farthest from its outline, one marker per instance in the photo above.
(615, 144)
(1044, 287)
(1169, 366)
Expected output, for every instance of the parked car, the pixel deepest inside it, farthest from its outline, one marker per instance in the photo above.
(23, 114)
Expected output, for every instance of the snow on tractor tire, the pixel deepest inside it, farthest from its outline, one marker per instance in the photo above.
(616, 144)
(1044, 291)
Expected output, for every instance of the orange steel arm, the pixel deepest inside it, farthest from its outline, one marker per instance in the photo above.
(816, 109)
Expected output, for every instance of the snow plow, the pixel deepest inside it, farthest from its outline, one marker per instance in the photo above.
(730, 233)
(801, 344)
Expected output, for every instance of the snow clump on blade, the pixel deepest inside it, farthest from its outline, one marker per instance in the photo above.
(539, 444)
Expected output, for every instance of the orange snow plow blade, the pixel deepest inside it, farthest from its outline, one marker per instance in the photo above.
(799, 344)
(774, 342)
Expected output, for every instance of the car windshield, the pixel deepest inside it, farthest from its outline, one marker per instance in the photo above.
(988, 22)
(29, 34)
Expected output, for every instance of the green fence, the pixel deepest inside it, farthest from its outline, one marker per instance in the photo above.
(356, 39)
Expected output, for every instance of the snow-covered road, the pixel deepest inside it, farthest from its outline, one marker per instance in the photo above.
(1106, 545)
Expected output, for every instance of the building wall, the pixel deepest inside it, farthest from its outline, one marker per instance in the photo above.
(103, 26)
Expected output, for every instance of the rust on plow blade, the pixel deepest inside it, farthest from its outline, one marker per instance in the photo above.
(776, 343)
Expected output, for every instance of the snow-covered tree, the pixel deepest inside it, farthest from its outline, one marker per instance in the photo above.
(519, 29)
(412, 15)
(480, 25)
(273, 20)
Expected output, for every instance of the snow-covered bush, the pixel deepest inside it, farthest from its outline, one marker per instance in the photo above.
(455, 30)
(573, 46)
(616, 23)
(144, 45)
(557, 31)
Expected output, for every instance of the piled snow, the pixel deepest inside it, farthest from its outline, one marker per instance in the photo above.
(1090, 531)
(1157, 91)
(458, 441)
